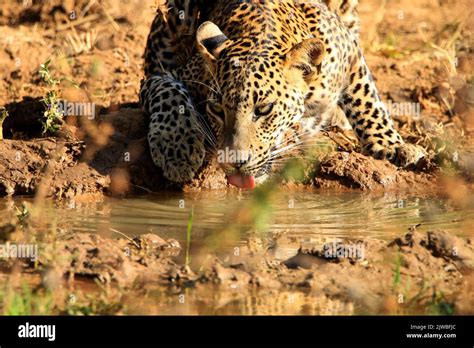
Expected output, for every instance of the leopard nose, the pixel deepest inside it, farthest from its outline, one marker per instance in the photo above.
(242, 161)
(233, 159)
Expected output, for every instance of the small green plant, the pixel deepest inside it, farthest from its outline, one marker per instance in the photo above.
(53, 116)
(3, 116)
(26, 302)
(397, 276)
(388, 47)
(439, 305)
(188, 235)
(22, 214)
(432, 304)
(21, 303)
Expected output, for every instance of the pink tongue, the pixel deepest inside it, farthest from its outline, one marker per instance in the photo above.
(241, 181)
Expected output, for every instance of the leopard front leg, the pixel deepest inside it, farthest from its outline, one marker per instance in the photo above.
(371, 121)
(175, 137)
(344, 80)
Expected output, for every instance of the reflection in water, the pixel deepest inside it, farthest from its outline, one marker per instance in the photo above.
(303, 215)
(205, 301)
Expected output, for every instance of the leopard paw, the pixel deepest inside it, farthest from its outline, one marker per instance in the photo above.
(178, 163)
(180, 172)
(407, 155)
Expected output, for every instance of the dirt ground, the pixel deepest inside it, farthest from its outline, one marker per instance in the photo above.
(420, 53)
(429, 273)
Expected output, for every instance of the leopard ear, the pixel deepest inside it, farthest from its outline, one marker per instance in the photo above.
(211, 40)
(306, 57)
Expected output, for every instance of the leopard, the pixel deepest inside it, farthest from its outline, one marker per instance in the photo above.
(236, 76)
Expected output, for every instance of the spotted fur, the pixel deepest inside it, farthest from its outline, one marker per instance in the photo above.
(238, 74)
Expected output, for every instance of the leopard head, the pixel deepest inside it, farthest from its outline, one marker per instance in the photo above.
(258, 92)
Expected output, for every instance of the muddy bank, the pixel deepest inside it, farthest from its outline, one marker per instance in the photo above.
(108, 155)
(416, 273)
(116, 160)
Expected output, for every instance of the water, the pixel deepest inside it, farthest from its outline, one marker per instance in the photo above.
(302, 216)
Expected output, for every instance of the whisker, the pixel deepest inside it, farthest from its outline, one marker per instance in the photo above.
(204, 84)
(205, 101)
(215, 79)
(205, 128)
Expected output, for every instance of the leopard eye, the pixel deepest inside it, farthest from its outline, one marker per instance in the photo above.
(216, 109)
(263, 110)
